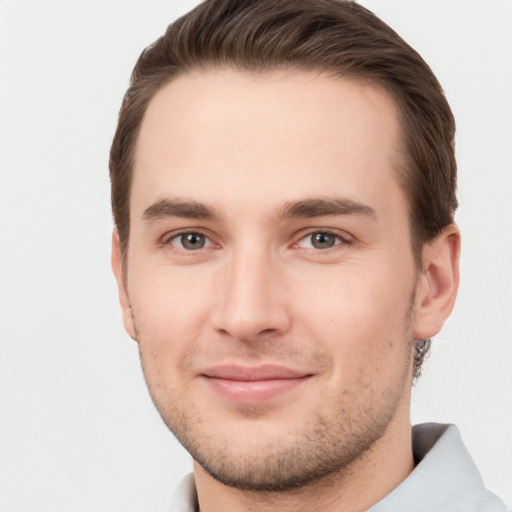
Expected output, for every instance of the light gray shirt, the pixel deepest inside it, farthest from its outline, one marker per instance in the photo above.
(445, 479)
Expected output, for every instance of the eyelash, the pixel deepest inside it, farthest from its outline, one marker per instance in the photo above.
(342, 238)
(167, 240)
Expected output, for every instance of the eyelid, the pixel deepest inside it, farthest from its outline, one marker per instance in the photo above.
(170, 236)
(344, 237)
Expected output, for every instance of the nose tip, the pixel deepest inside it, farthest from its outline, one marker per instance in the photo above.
(246, 330)
(252, 303)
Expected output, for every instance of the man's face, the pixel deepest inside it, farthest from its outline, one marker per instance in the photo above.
(270, 273)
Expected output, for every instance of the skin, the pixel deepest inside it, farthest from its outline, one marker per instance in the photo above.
(251, 166)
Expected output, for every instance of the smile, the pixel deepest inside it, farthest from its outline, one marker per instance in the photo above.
(253, 384)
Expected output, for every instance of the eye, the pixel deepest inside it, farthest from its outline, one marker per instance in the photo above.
(321, 240)
(190, 241)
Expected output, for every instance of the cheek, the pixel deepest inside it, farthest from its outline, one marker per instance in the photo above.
(356, 315)
(357, 300)
(170, 310)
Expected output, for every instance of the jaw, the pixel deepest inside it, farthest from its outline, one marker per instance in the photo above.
(385, 465)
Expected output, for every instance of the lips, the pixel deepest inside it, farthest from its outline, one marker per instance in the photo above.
(253, 384)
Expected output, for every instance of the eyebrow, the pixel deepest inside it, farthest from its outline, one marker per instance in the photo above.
(175, 208)
(310, 208)
(307, 208)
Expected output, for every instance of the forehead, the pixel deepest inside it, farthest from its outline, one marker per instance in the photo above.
(228, 137)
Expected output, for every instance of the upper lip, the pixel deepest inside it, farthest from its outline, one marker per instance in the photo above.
(253, 373)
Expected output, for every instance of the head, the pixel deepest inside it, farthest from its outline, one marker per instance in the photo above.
(234, 102)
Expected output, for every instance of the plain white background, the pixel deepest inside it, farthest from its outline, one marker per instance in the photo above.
(78, 432)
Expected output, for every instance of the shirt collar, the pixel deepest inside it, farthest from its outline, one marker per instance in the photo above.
(445, 479)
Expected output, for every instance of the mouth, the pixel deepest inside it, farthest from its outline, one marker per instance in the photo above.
(253, 384)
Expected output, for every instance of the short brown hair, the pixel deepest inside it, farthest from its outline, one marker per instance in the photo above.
(339, 37)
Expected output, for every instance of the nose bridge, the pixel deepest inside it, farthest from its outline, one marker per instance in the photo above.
(252, 299)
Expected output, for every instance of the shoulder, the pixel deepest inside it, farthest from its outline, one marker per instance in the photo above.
(445, 478)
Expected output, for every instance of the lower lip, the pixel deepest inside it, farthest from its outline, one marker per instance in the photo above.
(254, 391)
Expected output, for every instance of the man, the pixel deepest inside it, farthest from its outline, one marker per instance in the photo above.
(283, 187)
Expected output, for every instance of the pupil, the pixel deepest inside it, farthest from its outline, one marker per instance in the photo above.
(192, 241)
(322, 240)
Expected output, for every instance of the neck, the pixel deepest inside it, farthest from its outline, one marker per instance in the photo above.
(358, 487)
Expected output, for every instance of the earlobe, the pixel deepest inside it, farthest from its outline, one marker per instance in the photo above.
(117, 267)
(438, 283)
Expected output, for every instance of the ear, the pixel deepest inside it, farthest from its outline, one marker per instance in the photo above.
(438, 283)
(117, 267)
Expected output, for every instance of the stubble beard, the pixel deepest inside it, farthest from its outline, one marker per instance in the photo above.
(322, 447)
(315, 452)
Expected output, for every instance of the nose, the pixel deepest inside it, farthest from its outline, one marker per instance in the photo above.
(252, 303)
